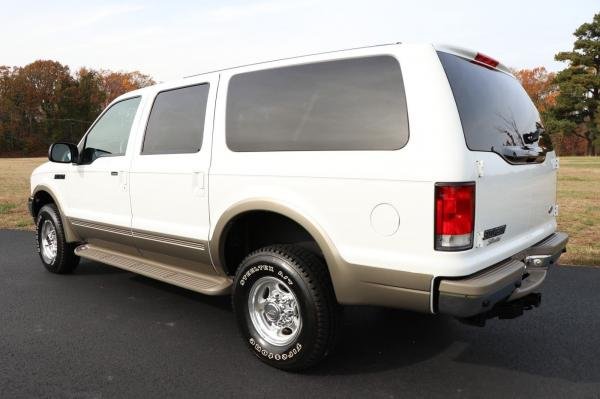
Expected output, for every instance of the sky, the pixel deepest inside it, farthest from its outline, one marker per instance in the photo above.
(171, 39)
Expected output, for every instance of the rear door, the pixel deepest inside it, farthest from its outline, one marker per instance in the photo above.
(515, 197)
(169, 177)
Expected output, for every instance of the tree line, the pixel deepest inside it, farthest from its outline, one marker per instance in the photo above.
(44, 102)
(569, 101)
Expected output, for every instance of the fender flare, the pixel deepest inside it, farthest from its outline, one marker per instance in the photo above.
(70, 234)
(217, 240)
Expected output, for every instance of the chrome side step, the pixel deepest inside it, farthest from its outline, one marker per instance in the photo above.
(205, 284)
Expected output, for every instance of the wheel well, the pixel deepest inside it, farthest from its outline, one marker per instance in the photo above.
(256, 229)
(40, 199)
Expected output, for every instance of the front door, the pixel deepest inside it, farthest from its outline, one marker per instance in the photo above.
(98, 204)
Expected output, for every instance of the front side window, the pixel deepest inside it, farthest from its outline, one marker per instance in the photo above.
(351, 104)
(110, 134)
(176, 122)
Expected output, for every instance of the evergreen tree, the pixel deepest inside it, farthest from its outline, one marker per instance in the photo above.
(576, 111)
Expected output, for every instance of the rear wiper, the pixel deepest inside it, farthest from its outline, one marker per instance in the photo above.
(522, 153)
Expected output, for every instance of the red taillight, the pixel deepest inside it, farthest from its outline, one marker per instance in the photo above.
(484, 59)
(454, 215)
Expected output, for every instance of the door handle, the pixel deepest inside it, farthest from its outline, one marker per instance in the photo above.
(123, 177)
(114, 173)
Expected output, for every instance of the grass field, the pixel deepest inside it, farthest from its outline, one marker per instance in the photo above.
(579, 201)
(14, 183)
(578, 196)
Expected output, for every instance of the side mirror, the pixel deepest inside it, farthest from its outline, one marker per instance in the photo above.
(63, 153)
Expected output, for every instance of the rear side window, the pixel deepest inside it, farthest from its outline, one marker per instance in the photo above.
(353, 104)
(495, 111)
(176, 122)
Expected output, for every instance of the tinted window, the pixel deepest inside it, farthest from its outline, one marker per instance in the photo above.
(109, 136)
(494, 109)
(176, 122)
(354, 104)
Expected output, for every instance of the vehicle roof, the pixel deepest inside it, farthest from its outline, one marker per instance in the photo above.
(459, 51)
(184, 80)
(294, 57)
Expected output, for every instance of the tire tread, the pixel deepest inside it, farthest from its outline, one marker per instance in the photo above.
(316, 276)
(66, 260)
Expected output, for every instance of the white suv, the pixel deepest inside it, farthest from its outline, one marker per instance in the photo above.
(409, 176)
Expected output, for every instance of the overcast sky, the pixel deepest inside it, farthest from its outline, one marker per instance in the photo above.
(170, 39)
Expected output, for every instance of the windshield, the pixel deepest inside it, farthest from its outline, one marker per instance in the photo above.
(496, 113)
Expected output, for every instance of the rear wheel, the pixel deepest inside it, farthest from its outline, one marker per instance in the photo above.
(285, 306)
(56, 253)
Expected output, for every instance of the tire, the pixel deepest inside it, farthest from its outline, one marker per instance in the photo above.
(285, 306)
(56, 253)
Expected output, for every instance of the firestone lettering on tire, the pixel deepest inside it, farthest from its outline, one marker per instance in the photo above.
(277, 356)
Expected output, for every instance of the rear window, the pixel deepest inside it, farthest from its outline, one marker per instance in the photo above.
(352, 104)
(494, 109)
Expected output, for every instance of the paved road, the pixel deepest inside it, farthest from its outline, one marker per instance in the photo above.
(105, 333)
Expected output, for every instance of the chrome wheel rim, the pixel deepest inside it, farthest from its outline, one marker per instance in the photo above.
(48, 241)
(274, 311)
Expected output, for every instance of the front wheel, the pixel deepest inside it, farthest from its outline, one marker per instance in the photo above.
(285, 306)
(56, 253)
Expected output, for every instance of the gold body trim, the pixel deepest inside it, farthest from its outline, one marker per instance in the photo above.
(182, 253)
(199, 245)
(353, 284)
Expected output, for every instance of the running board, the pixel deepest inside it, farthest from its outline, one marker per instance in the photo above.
(205, 284)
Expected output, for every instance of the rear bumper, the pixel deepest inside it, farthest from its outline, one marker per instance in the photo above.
(509, 281)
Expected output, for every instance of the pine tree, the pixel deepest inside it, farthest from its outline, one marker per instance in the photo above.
(577, 106)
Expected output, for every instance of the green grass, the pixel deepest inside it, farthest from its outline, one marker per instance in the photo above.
(578, 196)
(6, 207)
(14, 180)
(579, 199)
(23, 223)
(573, 178)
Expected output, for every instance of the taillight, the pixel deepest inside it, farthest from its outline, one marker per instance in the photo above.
(454, 216)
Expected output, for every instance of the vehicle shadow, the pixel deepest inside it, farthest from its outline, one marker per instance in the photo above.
(534, 345)
(88, 267)
(222, 302)
(557, 340)
(375, 339)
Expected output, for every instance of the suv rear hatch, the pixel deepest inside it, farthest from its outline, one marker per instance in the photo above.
(516, 190)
